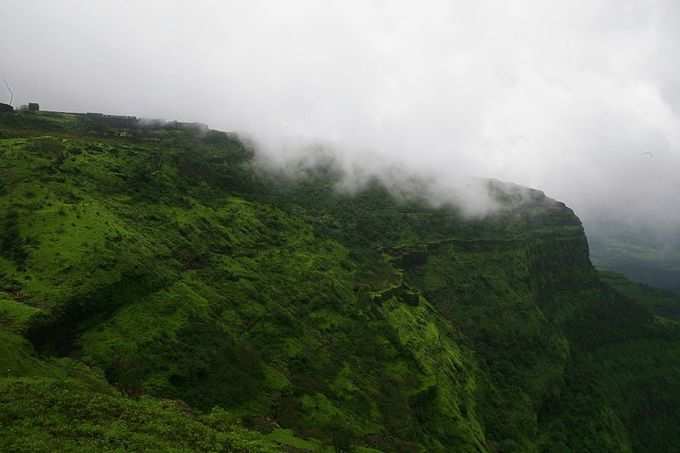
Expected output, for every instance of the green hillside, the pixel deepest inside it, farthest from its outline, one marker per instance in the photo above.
(159, 291)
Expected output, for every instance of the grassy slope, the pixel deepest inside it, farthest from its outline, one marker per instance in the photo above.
(162, 268)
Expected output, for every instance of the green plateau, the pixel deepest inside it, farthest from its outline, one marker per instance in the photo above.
(161, 291)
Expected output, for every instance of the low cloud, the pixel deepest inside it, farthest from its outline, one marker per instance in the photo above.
(580, 98)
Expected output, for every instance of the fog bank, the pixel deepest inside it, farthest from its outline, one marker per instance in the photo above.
(580, 99)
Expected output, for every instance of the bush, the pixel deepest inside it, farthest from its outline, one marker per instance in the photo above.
(12, 245)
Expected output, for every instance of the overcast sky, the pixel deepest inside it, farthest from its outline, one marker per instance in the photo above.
(578, 98)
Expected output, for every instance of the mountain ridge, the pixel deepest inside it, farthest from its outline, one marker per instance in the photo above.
(158, 271)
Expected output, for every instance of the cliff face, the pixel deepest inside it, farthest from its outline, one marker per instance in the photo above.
(160, 275)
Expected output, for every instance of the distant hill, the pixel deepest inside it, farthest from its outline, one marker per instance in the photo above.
(159, 291)
(661, 302)
(643, 256)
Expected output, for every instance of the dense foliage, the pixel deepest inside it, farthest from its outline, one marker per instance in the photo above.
(159, 291)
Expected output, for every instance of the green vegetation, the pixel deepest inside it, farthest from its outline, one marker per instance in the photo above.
(160, 292)
(661, 302)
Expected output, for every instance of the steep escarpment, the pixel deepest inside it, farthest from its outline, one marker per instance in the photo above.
(154, 275)
(510, 285)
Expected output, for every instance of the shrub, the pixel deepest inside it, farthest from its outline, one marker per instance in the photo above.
(12, 245)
